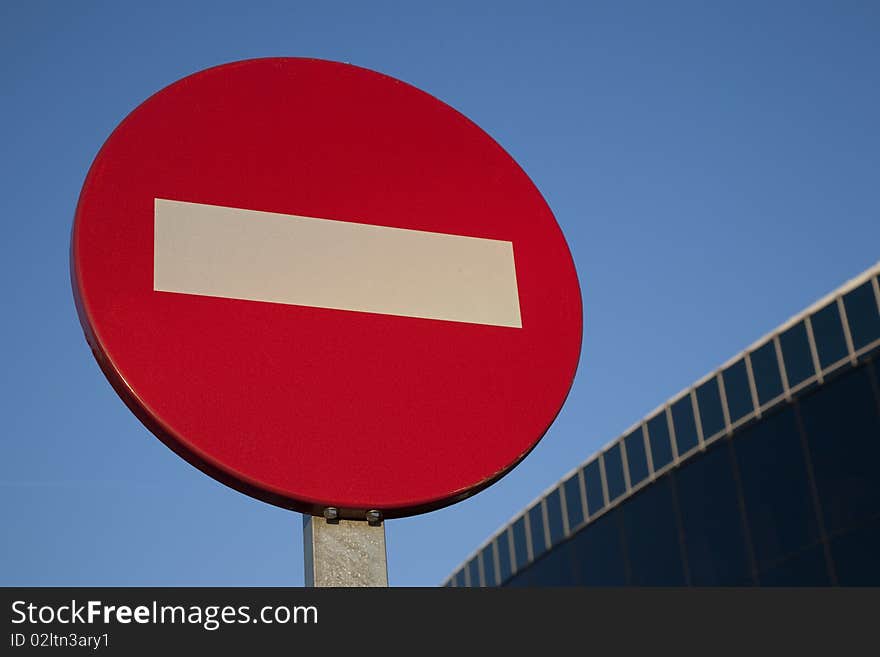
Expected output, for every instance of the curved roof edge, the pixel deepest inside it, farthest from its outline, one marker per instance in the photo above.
(820, 370)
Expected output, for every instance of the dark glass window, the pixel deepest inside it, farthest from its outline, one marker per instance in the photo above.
(828, 333)
(504, 566)
(489, 565)
(685, 426)
(736, 387)
(536, 524)
(658, 436)
(593, 483)
(614, 472)
(711, 413)
(573, 501)
(855, 556)
(765, 368)
(862, 314)
(520, 549)
(598, 553)
(554, 517)
(459, 578)
(714, 537)
(774, 481)
(843, 431)
(796, 354)
(635, 457)
(652, 538)
(474, 572)
(805, 568)
(521, 579)
(556, 568)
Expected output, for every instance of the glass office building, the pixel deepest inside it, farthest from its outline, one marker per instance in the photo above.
(765, 472)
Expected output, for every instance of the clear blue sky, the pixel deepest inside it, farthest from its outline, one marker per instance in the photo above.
(714, 166)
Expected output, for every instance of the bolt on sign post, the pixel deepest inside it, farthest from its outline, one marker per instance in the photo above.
(328, 290)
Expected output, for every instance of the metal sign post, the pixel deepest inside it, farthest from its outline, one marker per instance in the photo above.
(344, 552)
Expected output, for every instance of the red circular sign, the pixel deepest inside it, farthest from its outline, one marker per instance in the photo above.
(325, 287)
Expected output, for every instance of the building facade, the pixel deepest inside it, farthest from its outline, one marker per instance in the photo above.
(765, 472)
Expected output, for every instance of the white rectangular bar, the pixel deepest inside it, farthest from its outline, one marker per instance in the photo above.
(217, 251)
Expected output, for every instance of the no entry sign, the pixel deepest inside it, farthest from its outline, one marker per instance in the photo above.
(325, 287)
